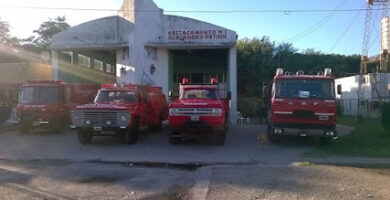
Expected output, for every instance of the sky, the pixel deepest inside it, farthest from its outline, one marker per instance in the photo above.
(327, 32)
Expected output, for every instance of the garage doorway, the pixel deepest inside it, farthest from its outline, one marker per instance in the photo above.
(198, 66)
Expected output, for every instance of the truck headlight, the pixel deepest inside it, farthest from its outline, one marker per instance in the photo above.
(124, 118)
(76, 117)
(173, 111)
(217, 112)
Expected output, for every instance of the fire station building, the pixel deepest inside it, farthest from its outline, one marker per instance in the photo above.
(143, 45)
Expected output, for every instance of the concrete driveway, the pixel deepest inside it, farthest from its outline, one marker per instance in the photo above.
(241, 148)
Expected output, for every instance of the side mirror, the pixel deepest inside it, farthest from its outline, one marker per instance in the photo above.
(265, 91)
(339, 91)
(229, 95)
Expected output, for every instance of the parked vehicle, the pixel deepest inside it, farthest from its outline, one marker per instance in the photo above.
(120, 110)
(303, 105)
(199, 111)
(48, 104)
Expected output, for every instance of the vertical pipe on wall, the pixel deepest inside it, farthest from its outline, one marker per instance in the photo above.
(54, 64)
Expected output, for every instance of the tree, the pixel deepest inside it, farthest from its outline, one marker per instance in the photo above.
(46, 31)
(257, 60)
(5, 36)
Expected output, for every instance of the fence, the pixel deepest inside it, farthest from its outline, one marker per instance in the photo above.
(366, 108)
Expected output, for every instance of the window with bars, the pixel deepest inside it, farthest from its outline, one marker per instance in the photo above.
(110, 68)
(98, 64)
(84, 61)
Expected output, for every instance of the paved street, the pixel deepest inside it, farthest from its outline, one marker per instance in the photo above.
(56, 166)
(241, 147)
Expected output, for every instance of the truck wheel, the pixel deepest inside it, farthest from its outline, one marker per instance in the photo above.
(131, 136)
(157, 127)
(174, 140)
(220, 138)
(24, 127)
(271, 136)
(85, 137)
(59, 126)
(325, 140)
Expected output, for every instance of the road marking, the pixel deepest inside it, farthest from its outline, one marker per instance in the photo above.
(202, 183)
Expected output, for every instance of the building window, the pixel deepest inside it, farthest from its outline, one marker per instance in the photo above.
(84, 61)
(70, 54)
(97, 64)
(110, 68)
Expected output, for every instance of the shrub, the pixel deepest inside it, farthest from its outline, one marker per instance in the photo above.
(250, 107)
(386, 116)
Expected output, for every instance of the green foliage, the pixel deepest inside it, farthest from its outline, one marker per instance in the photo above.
(386, 116)
(46, 31)
(257, 60)
(5, 36)
(249, 107)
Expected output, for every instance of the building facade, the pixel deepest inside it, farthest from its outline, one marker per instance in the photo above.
(142, 45)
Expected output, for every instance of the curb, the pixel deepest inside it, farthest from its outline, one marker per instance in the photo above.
(353, 162)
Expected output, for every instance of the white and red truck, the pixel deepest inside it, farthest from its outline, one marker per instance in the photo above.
(120, 110)
(199, 111)
(303, 105)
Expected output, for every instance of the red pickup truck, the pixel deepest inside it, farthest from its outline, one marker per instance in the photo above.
(120, 110)
(303, 105)
(200, 110)
(47, 104)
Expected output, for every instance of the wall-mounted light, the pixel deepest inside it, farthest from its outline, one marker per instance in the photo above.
(123, 71)
(152, 69)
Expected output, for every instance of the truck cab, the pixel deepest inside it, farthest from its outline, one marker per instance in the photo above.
(47, 104)
(199, 111)
(303, 105)
(120, 110)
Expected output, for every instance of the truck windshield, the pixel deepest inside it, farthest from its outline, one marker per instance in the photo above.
(115, 96)
(199, 94)
(301, 88)
(39, 95)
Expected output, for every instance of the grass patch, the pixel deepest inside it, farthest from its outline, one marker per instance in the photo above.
(369, 139)
(347, 120)
(304, 164)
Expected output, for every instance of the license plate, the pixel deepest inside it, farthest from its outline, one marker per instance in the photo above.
(194, 118)
(98, 129)
(323, 118)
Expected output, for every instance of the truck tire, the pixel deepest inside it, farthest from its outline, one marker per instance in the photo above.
(174, 140)
(59, 126)
(271, 136)
(131, 136)
(220, 138)
(25, 126)
(326, 140)
(157, 127)
(85, 137)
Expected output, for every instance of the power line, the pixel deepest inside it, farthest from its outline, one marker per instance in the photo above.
(345, 32)
(286, 11)
(315, 26)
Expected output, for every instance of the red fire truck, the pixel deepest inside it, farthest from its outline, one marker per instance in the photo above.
(199, 109)
(120, 110)
(47, 104)
(303, 105)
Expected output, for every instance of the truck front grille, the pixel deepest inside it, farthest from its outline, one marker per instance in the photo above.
(100, 117)
(303, 114)
(195, 111)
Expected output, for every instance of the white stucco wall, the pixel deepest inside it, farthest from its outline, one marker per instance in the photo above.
(143, 39)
